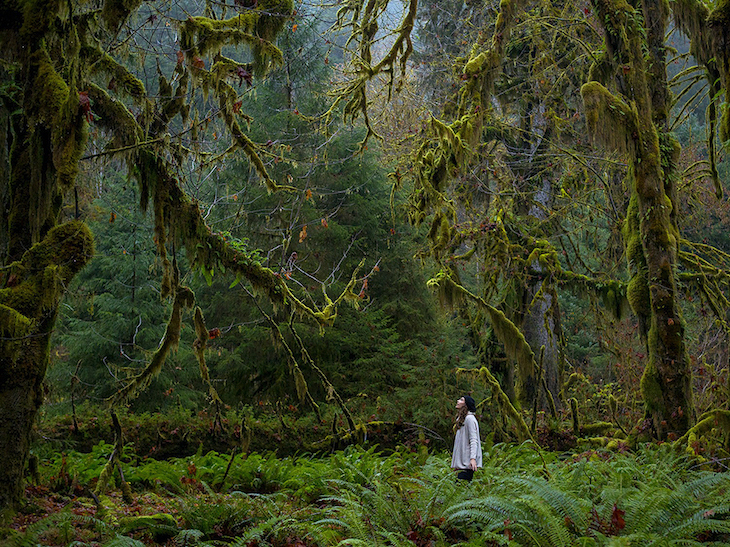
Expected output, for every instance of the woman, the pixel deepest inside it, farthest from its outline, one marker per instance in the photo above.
(467, 445)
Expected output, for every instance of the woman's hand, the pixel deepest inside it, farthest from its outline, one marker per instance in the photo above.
(473, 464)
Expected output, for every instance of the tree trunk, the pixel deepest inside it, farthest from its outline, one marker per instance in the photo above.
(632, 116)
(541, 327)
(21, 395)
(31, 292)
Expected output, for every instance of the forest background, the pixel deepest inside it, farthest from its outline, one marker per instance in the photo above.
(485, 234)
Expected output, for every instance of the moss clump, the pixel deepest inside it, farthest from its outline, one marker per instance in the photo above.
(638, 295)
(38, 15)
(50, 90)
(115, 12)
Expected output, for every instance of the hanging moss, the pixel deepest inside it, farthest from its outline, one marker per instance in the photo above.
(116, 118)
(101, 62)
(50, 90)
(38, 15)
(201, 339)
(201, 36)
(504, 406)
(184, 299)
(70, 134)
(115, 12)
(611, 122)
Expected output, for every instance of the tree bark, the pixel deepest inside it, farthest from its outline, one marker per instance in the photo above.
(632, 117)
(29, 298)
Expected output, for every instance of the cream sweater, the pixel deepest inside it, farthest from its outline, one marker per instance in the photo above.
(467, 444)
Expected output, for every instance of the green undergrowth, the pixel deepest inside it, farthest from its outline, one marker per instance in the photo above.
(522, 496)
(284, 429)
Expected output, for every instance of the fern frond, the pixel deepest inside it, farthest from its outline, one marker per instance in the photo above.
(124, 541)
(561, 503)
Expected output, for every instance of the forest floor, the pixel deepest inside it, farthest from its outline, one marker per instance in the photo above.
(523, 496)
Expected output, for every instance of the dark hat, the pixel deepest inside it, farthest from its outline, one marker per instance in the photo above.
(470, 404)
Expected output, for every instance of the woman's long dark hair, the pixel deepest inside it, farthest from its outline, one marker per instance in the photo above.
(460, 417)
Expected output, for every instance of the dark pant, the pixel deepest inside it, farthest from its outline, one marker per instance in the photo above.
(466, 474)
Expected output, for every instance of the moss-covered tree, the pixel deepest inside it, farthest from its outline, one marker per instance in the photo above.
(628, 104)
(64, 70)
(628, 107)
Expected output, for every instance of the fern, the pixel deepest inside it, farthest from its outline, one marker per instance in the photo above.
(188, 538)
(61, 524)
(124, 541)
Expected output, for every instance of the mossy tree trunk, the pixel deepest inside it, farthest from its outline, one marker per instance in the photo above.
(42, 133)
(539, 314)
(29, 300)
(54, 57)
(627, 107)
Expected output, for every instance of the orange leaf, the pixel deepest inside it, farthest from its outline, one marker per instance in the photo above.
(303, 234)
(325, 223)
(308, 194)
(294, 27)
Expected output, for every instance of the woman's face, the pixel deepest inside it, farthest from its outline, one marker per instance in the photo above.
(460, 403)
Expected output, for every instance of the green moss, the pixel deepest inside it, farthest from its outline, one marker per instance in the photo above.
(638, 295)
(597, 428)
(123, 78)
(201, 36)
(38, 15)
(115, 12)
(50, 90)
(611, 121)
(651, 389)
(47, 269)
(475, 64)
(70, 133)
(115, 116)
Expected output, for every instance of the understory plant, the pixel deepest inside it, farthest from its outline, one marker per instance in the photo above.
(522, 496)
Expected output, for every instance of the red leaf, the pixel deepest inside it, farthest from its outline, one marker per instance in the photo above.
(244, 74)
(85, 104)
(617, 518)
